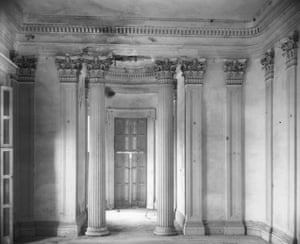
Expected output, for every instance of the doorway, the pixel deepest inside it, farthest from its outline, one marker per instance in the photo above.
(130, 145)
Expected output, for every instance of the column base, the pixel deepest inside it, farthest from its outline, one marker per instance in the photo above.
(194, 228)
(97, 231)
(165, 231)
(234, 228)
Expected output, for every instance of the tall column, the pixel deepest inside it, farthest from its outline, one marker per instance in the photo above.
(193, 77)
(234, 186)
(267, 63)
(165, 167)
(96, 171)
(289, 47)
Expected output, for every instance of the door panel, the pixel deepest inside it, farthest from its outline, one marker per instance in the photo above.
(130, 162)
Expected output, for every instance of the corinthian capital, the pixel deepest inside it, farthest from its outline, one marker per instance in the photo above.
(267, 63)
(165, 69)
(69, 66)
(235, 70)
(26, 67)
(289, 47)
(194, 70)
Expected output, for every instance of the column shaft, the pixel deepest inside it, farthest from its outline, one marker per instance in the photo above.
(96, 181)
(165, 218)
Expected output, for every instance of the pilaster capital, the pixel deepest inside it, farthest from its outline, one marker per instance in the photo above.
(267, 63)
(26, 67)
(69, 67)
(235, 70)
(165, 70)
(194, 70)
(289, 47)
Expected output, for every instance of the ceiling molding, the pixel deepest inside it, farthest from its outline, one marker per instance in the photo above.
(159, 26)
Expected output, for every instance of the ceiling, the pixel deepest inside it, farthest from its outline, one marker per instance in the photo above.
(238, 10)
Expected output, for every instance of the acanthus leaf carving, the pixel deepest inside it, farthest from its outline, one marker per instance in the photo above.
(165, 69)
(235, 70)
(289, 47)
(26, 67)
(193, 70)
(267, 63)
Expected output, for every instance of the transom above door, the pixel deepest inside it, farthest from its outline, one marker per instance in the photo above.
(130, 148)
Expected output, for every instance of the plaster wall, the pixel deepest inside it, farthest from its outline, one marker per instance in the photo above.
(254, 138)
(214, 99)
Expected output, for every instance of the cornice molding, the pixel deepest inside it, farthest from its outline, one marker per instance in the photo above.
(159, 26)
(137, 30)
(289, 47)
(26, 67)
(267, 63)
(235, 70)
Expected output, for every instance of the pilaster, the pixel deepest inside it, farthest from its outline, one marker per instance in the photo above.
(24, 143)
(234, 168)
(267, 63)
(289, 47)
(193, 72)
(165, 165)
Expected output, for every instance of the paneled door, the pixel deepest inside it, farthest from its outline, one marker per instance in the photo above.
(130, 162)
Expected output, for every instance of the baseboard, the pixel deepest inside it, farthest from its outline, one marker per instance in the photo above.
(224, 228)
(267, 233)
(194, 228)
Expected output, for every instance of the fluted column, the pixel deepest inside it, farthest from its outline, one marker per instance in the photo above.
(289, 48)
(96, 181)
(193, 78)
(165, 167)
(234, 72)
(267, 63)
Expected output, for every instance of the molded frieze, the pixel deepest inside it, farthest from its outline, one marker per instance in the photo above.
(235, 70)
(289, 47)
(267, 63)
(26, 67)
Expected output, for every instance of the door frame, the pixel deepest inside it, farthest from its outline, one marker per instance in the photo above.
(150, 115)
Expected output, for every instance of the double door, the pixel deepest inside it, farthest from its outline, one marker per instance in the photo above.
(130, 162)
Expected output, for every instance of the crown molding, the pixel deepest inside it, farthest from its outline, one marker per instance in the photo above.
(157, 26)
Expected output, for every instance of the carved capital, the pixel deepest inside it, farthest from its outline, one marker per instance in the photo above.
(289, 47)
(194, 70)
(267, 63)
(26, 67)
(165, 70)
(70, 66)
(235, 70)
